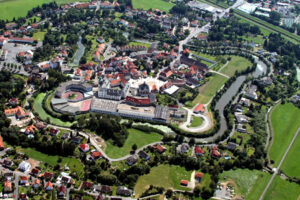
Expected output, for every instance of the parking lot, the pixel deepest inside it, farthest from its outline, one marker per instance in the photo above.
(14, 49)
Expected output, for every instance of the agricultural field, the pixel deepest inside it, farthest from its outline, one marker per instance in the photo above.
(290, 165)
(197, 121)
(135, 136)
(246, 182)
(282, 189)
(19, 8)
(154, 4)
(208, 90)
(236, 63)
(167, 176)
(284, 127)
(38, 108)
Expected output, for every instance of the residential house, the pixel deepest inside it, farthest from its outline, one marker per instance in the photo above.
(232, 146)
(95, 155)
(24, 166)
(49, 186)
(7, 162)
(199, 109)
(13, 101)
(7, 187)
(1, 144)
(84, 147)
(65, 136)
(143, 155)
(87, 185)
(22, 196)
(131, 160)
(36, 184)
(240, 118)
(48, 175)
(76, 140)
(184, 183)
(54, 131)
(123, 191)
(184, 148)
(198, 176)
(61, 192)
(30, 129)
(199, 151)
(251, 92)
(215, 152)
(240, 128)
(160, 148)
(18, 112)
(24, 180)
(35, 172)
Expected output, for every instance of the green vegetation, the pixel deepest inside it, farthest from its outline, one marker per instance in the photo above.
(281, 189)
(147, 45)
(19, 8)
(167, 176)
(39, 36)
(291, 165)
(197, 121)
(135, 137)
(245, 180)
(284, 125)
(154, 4)
(38, 108)
(236, 63)
(208, 90)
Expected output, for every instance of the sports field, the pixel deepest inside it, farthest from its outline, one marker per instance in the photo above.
(19, 8)
(154, 4)
(167, 176)
(85, 106)
(135, 136)
(284, 123)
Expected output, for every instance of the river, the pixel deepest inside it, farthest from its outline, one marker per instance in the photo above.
(79, 53)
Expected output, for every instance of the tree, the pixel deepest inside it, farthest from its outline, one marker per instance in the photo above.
(134, 147)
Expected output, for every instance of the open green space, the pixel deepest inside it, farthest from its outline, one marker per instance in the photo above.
(197, 121)
(291, 165)
(282, 189)
(135, 136)
(236, 63)
(39, 36)
(38, 108)
(19, 8)
(134, 43)
(154, 4)
(209, 89)
(285, 124)
(167, 176)
(246, 181)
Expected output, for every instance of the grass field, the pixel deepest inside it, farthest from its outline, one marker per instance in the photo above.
(167, 176)
(39, 36)
(284, 123)
(291, 165)
(236, 63)
(147, 45)
(197, 121)
(208, 90)
(246, 181)
(38, 108)
(19, 8)
(281, 189)
(154, 4)
(135, 137)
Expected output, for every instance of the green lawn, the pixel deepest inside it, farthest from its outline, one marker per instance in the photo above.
(208, 90)
(197, 121)
(167, 176)
(285, 122)
(246, 181)
(147, 45)
(135, 137)
(19, 8)
(39, 36)
(154, 4)
(291, 165)
(281, 189)
(236, 63)
(37, 107)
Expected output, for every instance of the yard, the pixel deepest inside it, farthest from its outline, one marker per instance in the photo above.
(154, 4)
(19, 8)
(282, 189)
(135, 137)
(236, 63)
(197, 121)
(38, 108)
(208, 90)
(284, 125)
(167, 176)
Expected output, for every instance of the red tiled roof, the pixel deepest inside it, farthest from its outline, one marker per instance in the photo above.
(199, 175)
(138, 101)
(184, 182)
(198, 150)
(1, 143)
(96, 154)
(199, 108)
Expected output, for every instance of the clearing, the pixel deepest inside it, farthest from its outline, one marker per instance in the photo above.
(135, 136)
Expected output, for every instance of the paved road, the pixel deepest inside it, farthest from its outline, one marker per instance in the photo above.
(281, 161)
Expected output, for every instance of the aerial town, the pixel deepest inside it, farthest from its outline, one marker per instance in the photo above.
(162, 99)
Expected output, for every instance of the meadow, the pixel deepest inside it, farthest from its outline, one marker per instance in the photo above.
(236, 63)
(135, 136)
(153, 4)
(197, 121)
(284, 127)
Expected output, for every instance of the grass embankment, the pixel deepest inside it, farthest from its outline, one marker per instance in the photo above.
(197, 121)
(135, 136)
(154, 4)
(282, 189)
(209, 89)
(285, 122)
(236, 63)
(167, 176)
(38, 108)
(19, 8)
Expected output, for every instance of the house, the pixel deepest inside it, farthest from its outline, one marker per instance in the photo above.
(199, 109)
(87, 185)
(65, 136)
(198, 151)
(30, 129)
(49, 186)
(84, 147)
(36, 183)
(100, 40)
(35, 172)
(24, 166)
(76, 140)
(13, 101)
(184, 148)
(7, 187)
(240, 128)
(48, 175)
(95, 155)
(123, 191)
(54, 131)
(160, 148)
(251, 92)
(1, 144)
(61, 192)
(22, 196)
(131, 160)
(7, 162)
(41, 125)
(8, 176)
(143, 155)
(24, 180)
(105, 189)
(240, 118)
(232, 146)
(198, 176)
(184, 183)
(215, 153)
(18, 112)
